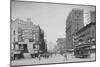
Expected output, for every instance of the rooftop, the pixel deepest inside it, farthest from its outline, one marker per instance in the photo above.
(84, 28)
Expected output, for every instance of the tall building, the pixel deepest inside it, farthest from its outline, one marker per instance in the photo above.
(25, 30)
(92, 16)
(74, 22)
(28, 33)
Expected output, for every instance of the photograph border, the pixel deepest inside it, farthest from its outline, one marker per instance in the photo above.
(47, 3)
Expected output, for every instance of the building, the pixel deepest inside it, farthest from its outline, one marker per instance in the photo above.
(28, 34)
(92, 16)
(61, 44)
(55, 49)
(86, 34)
(25, 30)
(74, 22)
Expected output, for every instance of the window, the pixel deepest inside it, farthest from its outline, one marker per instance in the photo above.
(31, 40)
(20, 46)
(34, 47)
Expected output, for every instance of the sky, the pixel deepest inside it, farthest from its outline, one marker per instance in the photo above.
(50, 17)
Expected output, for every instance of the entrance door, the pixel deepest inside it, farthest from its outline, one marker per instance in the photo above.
(25, 48)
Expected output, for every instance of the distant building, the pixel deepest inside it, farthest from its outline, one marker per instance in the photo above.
(55, 49)
(61, 44)
(74, 22)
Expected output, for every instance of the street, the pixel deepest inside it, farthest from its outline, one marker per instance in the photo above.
(54, 59)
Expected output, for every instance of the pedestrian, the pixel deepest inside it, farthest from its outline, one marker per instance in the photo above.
(39, 57)
(65, 55)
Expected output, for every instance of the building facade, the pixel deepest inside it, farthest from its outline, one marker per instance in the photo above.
(27, 33)
(74, 22)
(93, 16)
(86, 34)
(61, 44)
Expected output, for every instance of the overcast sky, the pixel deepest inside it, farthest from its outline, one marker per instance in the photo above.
(50, 17)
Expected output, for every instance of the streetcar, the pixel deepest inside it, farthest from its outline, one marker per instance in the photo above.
(82, 50)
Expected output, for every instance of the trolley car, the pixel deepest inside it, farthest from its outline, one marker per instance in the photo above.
(82, 50)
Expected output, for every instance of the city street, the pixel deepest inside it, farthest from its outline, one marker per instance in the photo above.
(54, 59)
(52, 34)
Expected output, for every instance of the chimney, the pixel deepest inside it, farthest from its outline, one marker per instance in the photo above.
(29, 19)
